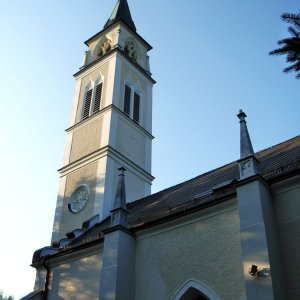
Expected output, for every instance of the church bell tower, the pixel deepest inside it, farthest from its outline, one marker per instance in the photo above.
(110, 125)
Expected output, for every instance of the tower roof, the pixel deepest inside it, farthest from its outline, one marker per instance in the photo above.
(120, 199)
(245, 141)
(121, 12)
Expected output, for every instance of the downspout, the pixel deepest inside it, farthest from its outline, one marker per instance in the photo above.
(45, 296)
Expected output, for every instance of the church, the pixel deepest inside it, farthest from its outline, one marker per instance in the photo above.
(232, 233)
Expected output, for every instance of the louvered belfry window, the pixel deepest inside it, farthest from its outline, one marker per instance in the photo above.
(97, 100)
(87, 104)
(127, 96)
(136, 108)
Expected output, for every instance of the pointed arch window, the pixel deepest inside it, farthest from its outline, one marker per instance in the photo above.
(132, 103)
(127, 100)
(97, 99)
(87, 104)
(136, 107)
(193, 294)
(195, 290)
(92, 100)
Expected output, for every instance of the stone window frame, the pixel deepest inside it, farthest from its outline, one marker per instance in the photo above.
(92, 86)
(134, 92)
(197, 285)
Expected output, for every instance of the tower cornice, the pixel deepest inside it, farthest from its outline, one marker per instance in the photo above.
(105, 30)
(86, 68)
(116, 109)
(102, 152)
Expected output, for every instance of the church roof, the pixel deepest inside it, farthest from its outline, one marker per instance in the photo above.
(122, 13)
(208, 189)
(214, 186)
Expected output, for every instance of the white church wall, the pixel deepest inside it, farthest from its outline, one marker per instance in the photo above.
(58, 210)
(75, 102)
(136, 187)
(86, 175)
(117, 36)
(76, 277)
(204, 246)
(131, 143)
(87, 138)
(95, 45)
(140, 83)
(41, 274)
(140, 47)
(287, 210)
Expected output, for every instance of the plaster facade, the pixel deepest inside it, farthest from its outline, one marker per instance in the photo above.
(86, 139)
(83, 176)
(205, 247)
(118, 34)
(77, 277)
(287, 211)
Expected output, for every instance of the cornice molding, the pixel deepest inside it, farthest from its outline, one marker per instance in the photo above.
(109, 28)
(88, 68)
(76, 252)
(102, 112)
(105, 151)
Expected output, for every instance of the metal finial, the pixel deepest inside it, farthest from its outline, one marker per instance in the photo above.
(241, 115)
(122, 169)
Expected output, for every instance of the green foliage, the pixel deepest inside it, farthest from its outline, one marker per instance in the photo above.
(2, 297)
(290, 46)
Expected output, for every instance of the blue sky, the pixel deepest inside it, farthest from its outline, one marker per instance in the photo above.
(210, 59)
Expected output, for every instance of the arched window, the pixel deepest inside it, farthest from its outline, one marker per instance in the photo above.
(193, 294)
(97, 97)
(127, 100)
(136, 107)
(195, 290)
(132, 103)
(87, 104)
(92, 99)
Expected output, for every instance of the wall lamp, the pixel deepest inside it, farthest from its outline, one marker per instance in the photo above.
(259, 272)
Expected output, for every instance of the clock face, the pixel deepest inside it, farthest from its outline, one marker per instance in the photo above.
(246, 168)
(246, 165)
(79, 199)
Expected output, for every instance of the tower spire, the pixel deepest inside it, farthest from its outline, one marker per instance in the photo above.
(120, 199)
(122, 13)
(246, 148)
(248, 163)
(119, 211)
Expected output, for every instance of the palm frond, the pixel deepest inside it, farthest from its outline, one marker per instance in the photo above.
(290, 46)
(294, 67)
(292, 57)
(280, 51)
(294, 32)
(291, 19)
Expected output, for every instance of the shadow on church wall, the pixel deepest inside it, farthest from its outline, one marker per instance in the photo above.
(77, 278)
